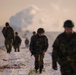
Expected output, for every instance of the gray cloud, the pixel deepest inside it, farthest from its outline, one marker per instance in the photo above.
(51, 19)
(24, 18)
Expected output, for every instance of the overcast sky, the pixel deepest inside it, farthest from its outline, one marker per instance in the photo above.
(49, 14)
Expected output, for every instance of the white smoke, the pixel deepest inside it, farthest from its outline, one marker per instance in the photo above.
(33, 17)
(24, 18)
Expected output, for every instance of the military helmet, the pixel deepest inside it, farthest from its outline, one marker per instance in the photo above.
(68, 23)
(40, 30)
(7, 24)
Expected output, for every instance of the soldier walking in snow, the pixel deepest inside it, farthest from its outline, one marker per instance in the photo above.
(8, 34)
(27, 42)
(17, 42)
(64, 50)
(34, 33)
(38, 47)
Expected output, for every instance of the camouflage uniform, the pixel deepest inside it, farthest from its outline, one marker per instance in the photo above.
(9, 37)
(17, 43)
(64, 52)
(38, 46)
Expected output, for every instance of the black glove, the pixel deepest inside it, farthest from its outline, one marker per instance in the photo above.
(32, 53)
(54, 66)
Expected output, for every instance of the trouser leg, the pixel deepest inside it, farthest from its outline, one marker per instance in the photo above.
(18, 49)
(8, 45)
(41, 63)
(36, 61)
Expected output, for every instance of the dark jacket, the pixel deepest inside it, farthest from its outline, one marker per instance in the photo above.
(63, 47)
(17, 41)
(38, 43)
(8, 33)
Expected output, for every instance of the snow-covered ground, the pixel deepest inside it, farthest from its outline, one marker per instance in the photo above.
(22, 63)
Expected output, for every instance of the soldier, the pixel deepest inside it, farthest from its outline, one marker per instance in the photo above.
(27, 42)
(38, 47)
(8, 34)
(64, 50)
(34, 33)
(17, 42)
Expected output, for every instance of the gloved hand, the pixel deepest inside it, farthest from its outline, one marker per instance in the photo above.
(54, 66)
(32, 52)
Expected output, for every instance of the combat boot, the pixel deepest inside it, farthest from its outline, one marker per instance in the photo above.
(40, 71)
